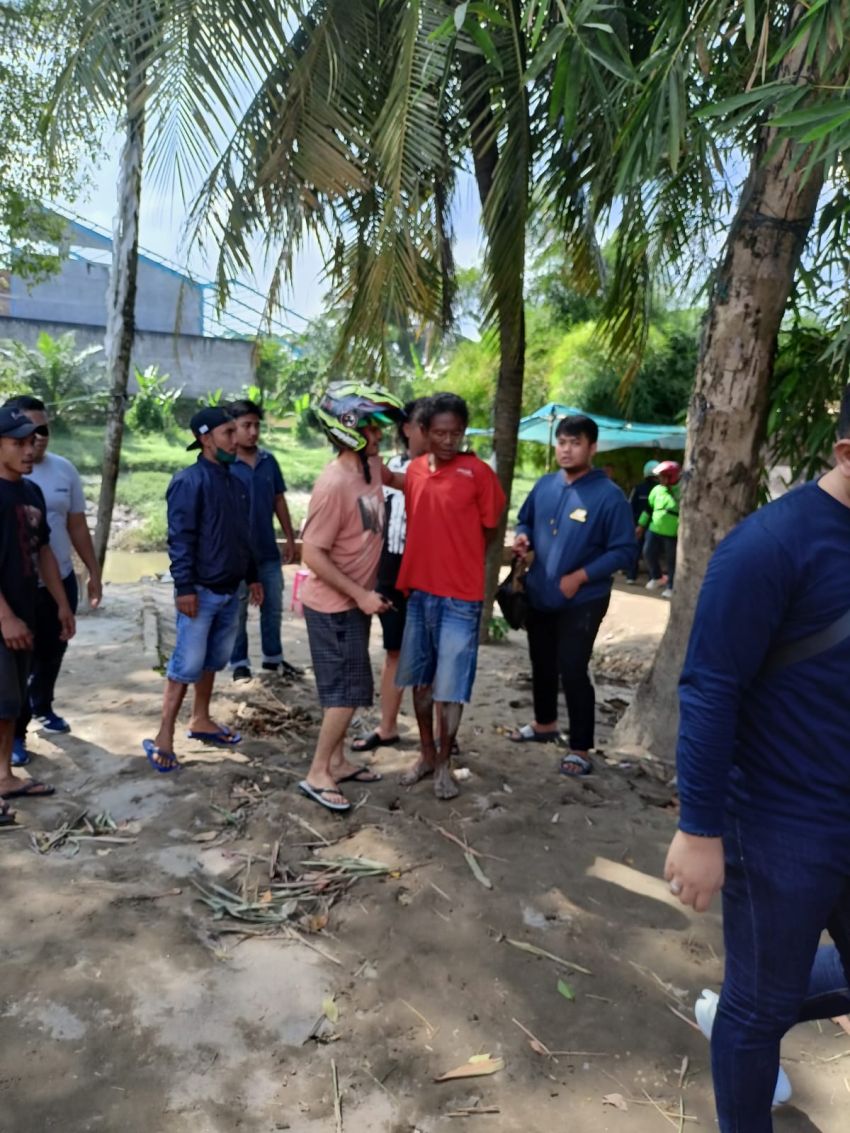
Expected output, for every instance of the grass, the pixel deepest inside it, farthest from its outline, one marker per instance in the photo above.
(149, 461)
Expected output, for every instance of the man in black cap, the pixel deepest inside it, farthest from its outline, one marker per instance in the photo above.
(24, 556)
(209, 544)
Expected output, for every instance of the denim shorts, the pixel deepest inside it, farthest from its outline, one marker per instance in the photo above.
(204, 643)
(440, 646)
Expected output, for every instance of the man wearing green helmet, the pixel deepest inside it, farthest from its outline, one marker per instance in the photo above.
(342, 541)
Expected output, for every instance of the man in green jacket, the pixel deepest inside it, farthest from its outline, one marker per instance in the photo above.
(661, 516)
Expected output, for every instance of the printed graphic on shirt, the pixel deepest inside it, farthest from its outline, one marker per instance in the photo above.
(30, 520)
(372, 511)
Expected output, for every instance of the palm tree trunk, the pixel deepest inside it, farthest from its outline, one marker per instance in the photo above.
(121, 315)
(728, 409)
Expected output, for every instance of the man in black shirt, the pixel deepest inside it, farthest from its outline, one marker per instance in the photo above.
(209, 544)
(24, 556)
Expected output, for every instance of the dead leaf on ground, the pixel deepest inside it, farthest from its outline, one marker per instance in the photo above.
(616, 1100)
(330, 1009)
(206, 836)
(478, 1066)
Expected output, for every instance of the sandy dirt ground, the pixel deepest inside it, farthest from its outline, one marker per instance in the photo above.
(127, 1007)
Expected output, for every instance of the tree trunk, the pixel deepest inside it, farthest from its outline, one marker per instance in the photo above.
(121, 315)
(728, 409)
(507, 407)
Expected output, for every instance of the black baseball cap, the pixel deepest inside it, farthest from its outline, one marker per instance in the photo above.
(204, 421)
(15, 423)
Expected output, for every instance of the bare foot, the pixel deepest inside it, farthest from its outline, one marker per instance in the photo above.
(358, 772)
(444, 785)
(419, 770)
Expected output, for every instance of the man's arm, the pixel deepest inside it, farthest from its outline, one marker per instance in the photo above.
(182, 502)
(281, 510)
(15, 632)
(392, 479)
(81, 540)
(48, 570)
(741, 606)
(318, 560)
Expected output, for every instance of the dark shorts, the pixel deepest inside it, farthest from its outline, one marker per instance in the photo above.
(339, 650)
(14, 674)
(392, 623)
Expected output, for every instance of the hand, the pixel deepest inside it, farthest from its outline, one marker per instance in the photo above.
(373, 603)
(639, 532)
(288, 555)
(521, 546)
(187, 604)
(571, 583)
(16, 633)
(67, 623)
(255, 593)
(95, 592)
(694, 868)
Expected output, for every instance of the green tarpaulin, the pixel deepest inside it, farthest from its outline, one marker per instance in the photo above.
(613, 433)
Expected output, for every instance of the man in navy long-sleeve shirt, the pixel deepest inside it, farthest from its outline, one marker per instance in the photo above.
(764, 778)
(580, 527)
(209, 544)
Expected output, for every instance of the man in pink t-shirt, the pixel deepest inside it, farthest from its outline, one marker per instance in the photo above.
(342, 539)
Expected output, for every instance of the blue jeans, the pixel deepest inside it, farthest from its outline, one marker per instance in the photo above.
(440, 646)
(782, 889)
(204, 642)
(270, 575)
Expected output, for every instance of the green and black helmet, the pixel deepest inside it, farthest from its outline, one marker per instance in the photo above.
(346, 407)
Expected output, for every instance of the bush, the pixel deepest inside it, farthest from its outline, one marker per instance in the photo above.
(67, 380)
(152, 406)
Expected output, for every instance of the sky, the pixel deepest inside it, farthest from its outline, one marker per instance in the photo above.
(160, 232)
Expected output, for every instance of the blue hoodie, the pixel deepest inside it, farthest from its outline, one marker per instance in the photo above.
(586, 524)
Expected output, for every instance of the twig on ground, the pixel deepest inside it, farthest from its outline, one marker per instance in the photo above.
(337, 1098)
(420, 1016)
(524, 946)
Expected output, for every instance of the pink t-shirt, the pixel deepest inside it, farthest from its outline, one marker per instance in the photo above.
(346, 519)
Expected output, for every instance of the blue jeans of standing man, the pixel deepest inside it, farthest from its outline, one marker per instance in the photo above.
(782, 889)
(271, 576)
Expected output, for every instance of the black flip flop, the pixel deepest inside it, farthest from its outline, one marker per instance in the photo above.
(7, 816)
(355, 776)
(317, 795)
(373, 741)
(29, 789)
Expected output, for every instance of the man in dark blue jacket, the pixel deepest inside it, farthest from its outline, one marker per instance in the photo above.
(579, 525)
(764, 778)
(209, 544)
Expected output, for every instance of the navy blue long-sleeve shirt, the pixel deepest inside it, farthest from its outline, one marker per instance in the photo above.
(209, 529)
(771, 746)
(587, 524)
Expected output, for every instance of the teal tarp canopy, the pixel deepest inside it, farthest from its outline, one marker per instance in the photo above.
(613, 433)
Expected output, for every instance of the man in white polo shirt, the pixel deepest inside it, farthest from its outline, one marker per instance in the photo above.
(66, 516)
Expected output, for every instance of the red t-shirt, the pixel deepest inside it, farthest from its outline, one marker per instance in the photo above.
(447, 512)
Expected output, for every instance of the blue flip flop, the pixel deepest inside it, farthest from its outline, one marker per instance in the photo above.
(224, 737)
(150, 749)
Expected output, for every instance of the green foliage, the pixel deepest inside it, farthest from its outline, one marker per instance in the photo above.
(68, 381)
(152, 406)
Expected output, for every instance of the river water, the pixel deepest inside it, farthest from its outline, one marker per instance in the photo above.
(130, 566)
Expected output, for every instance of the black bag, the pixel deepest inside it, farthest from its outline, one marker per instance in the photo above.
(511, 596)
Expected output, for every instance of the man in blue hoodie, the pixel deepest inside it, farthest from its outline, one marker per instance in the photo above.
(209, 544)
(764, 778)
(579, 525)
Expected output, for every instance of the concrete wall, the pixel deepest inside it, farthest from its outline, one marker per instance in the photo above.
(77, 295)
(197, 364)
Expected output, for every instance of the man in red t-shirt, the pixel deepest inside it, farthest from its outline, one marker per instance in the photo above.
(454, 503)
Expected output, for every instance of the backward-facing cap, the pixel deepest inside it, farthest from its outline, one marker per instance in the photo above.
(204, 421)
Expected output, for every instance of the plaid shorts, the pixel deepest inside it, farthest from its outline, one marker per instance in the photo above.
(339, 650)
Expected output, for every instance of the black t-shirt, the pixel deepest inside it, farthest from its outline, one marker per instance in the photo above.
(23, 530)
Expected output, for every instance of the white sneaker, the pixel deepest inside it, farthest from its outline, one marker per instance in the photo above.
(653, 584)
(668, 593)
(705, 1009)
(631, 582)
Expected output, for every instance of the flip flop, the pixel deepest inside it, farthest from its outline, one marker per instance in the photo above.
(370, 742)
(357, 776)
(224, 737)
(585, 767)
(150, 749)
(29, 789)
(317, 795)
(528, 735)
(7, 816)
